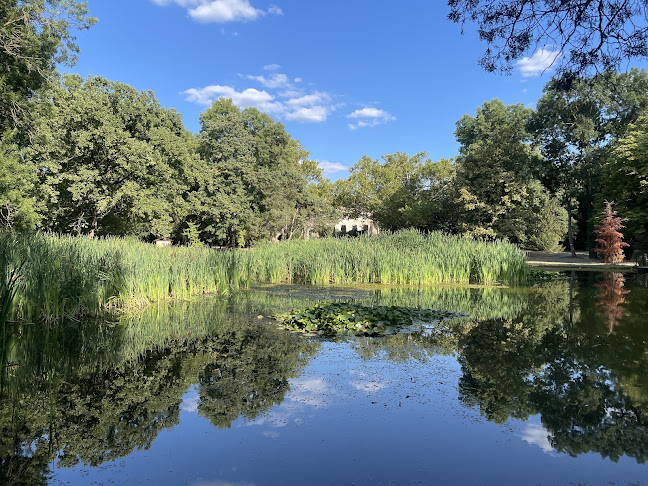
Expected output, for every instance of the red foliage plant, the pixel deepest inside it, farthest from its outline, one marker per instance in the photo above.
(610, 239)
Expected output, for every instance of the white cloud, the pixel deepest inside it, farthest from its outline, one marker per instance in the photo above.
(368, 386)
(293, 104)
(329, 168)
(369, 117)
(271, 67)
(275, 80)
(309, 100)
(314, 114)
(243, 99)
(221, 11)
(535, 434)
(540, 61)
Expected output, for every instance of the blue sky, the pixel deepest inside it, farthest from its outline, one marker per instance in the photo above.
(347, 78)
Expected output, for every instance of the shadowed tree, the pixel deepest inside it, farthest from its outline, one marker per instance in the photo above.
(593, 34)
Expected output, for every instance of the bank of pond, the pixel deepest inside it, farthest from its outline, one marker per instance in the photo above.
(548, 377)
(48, 278)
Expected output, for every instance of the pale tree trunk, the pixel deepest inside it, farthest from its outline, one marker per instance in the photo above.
(93, 226)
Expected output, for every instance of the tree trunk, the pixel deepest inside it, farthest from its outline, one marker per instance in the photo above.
(570, 234)
(93, 226)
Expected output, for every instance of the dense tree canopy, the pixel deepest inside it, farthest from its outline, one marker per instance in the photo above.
(576, 123)
(401, 192)
(499, 194)
(34, 36)
(595, 34)
(111, 159)
(258, 182)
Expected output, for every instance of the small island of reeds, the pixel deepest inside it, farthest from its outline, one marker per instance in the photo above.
(62, 276)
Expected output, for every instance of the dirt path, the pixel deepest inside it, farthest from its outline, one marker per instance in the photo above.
(565, 261)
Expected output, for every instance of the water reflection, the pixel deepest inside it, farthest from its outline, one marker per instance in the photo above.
(588, 387)
(611, 295)
(92, 393)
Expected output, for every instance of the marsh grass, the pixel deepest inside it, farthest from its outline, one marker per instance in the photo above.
(63, 277)
(403, 258)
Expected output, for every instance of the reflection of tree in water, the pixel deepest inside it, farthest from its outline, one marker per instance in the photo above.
(85, 412)
(611, 295)
(577, 377)
(248, 372)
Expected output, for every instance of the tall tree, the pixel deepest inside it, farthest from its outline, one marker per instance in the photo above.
(400, 192)
(575, 122)
(626, 181)
(596, 34)
(35, 35)
(495, 179)
(111, 159)
(257, 178)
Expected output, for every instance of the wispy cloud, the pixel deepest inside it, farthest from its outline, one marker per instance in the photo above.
(280, 97)
(271, 67)
(221, 11)
(369, 117)
(540, 61)
(275, 80)
(329, 168)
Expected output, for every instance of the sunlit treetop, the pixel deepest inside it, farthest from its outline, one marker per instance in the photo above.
(576, 35)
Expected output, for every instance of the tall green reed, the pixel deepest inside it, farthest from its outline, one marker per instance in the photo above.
(65, 276)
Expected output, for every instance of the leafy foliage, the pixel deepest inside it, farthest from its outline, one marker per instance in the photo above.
(401, 192)
(595, 34)
(360, 320)
(626, 180)
(34, 36)
(111, 159)
(495, 177)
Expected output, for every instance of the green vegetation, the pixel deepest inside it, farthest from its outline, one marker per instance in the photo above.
(75, 276)
(331, 318)
(402, 258)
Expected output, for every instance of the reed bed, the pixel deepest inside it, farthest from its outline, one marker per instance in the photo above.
(62, 276)
(403, 258)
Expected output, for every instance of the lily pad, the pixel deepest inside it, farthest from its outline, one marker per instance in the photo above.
(335, 318)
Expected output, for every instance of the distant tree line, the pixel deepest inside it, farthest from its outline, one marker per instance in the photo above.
(537, 177)
(96, 157)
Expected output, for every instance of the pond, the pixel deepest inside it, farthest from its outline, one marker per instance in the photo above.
(544, 384)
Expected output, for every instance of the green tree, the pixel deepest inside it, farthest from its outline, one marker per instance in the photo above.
(257, 181)
(19, 205)
(495, 179)
(626, 181)
(400, 192)
(35, 35)
(576, 121)
(111, 159)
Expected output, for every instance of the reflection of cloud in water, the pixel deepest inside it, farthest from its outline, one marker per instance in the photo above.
(308, 391)
(190, 400)
(304, 392)
(535, 434)
(367, 384)
(221, 483)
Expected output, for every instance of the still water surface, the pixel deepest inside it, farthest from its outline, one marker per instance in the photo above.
(546, 384)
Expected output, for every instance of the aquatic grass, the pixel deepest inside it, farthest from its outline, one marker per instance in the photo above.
(66, 276)
(403, 258)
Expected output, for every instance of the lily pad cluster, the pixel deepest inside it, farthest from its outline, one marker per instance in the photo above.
(334, 318)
